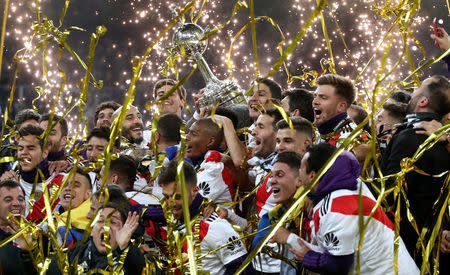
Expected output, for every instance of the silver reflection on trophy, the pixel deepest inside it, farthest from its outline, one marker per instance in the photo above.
(188, 39)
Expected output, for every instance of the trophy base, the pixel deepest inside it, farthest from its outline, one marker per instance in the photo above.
(226, 93)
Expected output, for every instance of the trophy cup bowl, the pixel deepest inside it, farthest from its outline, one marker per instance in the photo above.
(190, 37)
(189, 41)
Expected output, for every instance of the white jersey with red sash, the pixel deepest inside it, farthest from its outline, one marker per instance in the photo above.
(37, 211)
(335, 228)
(214, 180)
(141, 198)
(264, 197)
(216, 232)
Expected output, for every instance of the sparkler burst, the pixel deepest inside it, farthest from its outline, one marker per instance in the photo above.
(133, 25)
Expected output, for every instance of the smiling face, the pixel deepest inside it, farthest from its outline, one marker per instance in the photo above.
(284, 182)
(12, 201)
(327, 104)
(132, 127)
(55, 140)
(168, 192)
(98, 233)
(104, 118)
(96, 146)
(261, 93)
(30, 153)
(265, 136)
(75, 193)
(173, 104)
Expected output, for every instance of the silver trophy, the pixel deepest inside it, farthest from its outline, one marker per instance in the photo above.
(189, 40)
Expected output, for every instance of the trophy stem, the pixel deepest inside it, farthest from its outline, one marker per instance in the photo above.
(205, 70)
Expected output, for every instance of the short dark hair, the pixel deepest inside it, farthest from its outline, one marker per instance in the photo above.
(275, 88)
(300, 124)
(123, 207)
(102, 132)
(396, 110)
(168, 174)
(275, 114)
(169, 128)
(361, 113)
(24, 115)
(80, 170)
(342, 86)
(318, 155)
(62, 121)
(11, 184)
(301, 99)
(226, 112)
(126, 168)
(212, 128)
(99, 132)
(105, 105)
(292, 159)
(167, 81)
(32, 130)
(438, 92)
(401, 96)
(115, 194)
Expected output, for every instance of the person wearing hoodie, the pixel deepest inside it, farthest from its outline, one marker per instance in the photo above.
(335, 233)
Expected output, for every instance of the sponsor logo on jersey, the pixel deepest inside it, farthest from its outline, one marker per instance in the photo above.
(331, 241)
(205, 188)
(234, 243)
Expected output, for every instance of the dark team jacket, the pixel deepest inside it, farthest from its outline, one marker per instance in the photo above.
(87, 256)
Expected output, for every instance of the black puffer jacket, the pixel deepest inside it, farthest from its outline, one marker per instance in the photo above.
(87, 256)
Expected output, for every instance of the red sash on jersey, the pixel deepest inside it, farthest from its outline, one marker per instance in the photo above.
(37, 213)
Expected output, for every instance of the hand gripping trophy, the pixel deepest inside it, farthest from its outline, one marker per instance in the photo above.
(188, 40)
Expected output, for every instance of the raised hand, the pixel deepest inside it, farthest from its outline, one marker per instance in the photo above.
(9, 175)
(124, 234)
(24, 240)
(442, 38)
(58, 166)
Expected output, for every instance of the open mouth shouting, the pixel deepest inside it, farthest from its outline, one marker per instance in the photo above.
(67, 197)
(188, 148)
(257, 144)
(317, 114)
